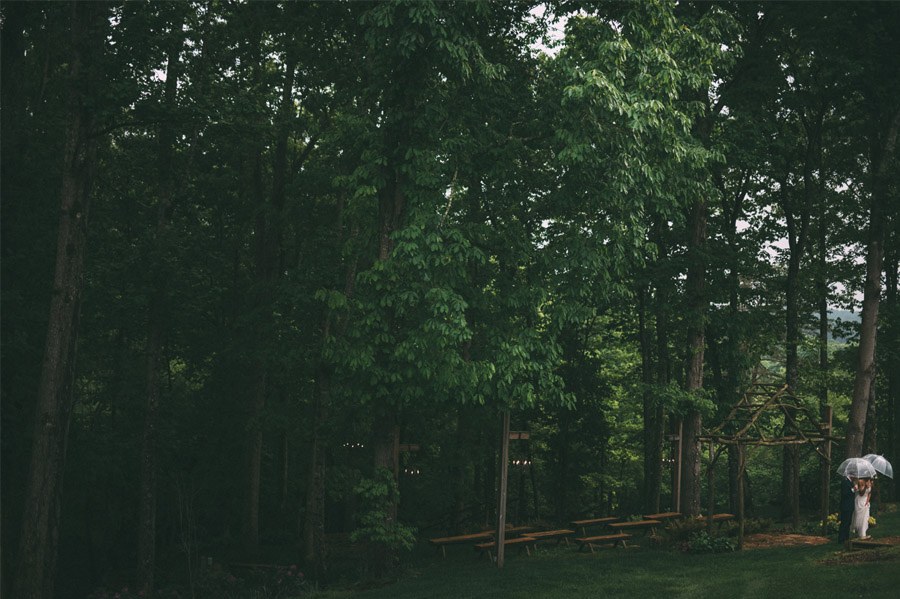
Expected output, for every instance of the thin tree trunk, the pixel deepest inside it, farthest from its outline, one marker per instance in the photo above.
(38, 543)
(696, 279)
(825, 470)
(652, 437)
(268, 246)
(458, 470)
(147, 509)
(314, 522)
(663, 359)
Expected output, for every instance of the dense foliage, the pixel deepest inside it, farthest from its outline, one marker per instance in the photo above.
(299, 257)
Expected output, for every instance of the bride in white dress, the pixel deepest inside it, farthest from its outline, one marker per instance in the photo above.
(863, 493)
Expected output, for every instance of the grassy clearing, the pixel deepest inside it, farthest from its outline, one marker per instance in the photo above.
(641, 572)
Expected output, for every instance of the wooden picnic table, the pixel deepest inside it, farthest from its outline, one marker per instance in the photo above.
(559, 535)
(613, 539)
(442, 542)
(663, 516)
(525, 541)
(650, 525)
(582, 524)
(514, 530)
(721, 517)
(477, 537)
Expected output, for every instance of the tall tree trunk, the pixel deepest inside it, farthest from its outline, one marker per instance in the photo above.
(663, 358)
(314, 522)
(822, 288)
(882, 157)
(268, 246)
(892, 369)
(652, 426)
(696, 337)
(458, 470)
(797, 215)
(870, 439)
(159, 283)
(38, 543)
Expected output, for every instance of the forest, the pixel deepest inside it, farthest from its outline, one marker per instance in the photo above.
(275, 274)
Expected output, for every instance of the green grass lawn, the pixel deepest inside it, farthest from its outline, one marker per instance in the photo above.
(645, 572)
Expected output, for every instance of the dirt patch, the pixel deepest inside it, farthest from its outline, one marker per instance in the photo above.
(860, 556)
(768, 540)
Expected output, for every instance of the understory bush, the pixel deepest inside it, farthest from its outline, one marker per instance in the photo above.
(702, 542)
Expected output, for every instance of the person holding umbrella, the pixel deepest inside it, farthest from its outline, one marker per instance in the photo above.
(851, 469)
(861, 501)
(848, 484)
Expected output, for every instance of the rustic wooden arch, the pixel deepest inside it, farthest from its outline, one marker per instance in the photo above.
(751, 423)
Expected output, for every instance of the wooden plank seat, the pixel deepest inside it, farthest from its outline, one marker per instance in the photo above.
(516, 530)
(583, 524)
(646, 525)
(721, 517)
(442, 542)
(559, 535)
(525, 541)
(613, 539)
(663, 516)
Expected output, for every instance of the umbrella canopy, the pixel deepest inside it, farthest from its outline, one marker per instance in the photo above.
(880, 464)
(856, 468)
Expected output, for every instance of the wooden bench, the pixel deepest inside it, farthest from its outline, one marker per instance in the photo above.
(442, 542)
(559, 535)
(526, 542)
(646, 525)
(583, 524)
(515, 530)
(614, 539)
(720, 517)
(662, 516)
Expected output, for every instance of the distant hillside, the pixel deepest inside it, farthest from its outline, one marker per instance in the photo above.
(844, 325)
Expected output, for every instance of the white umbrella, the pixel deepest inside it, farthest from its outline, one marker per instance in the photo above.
(856, 468)
(880, 464)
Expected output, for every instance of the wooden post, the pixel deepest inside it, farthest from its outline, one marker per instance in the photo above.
(710, 473)
(740, 490)
(500, 537)
(826, 468)
(676, 486)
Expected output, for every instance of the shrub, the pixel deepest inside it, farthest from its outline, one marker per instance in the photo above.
(376, 496)
(701, 542)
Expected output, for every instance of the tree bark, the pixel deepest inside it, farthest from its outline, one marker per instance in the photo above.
(38, 543)
(268, 232)
(882, 157)
(892, 369)
(159, 282)
(652, 425)
(314, 521)
(696, 337)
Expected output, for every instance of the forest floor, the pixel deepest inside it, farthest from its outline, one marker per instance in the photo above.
(779, 563)
(766, 540)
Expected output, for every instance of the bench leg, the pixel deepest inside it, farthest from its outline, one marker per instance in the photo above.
(444, 551)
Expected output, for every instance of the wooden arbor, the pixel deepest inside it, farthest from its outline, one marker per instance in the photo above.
(767, 414)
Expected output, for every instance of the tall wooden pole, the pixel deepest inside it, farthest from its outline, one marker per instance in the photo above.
(826, 467)
(676, 490)
(710, 473)
(501, 504)
(740, 502)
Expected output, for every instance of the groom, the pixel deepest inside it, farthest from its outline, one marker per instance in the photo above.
(846, 514)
